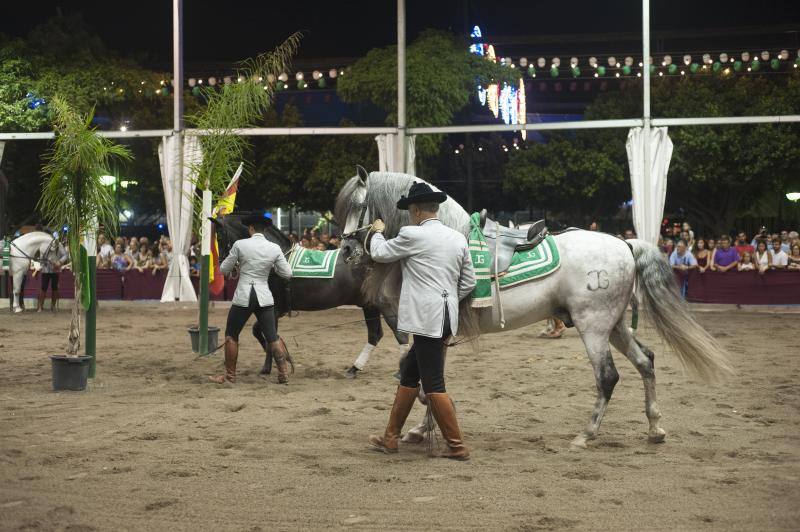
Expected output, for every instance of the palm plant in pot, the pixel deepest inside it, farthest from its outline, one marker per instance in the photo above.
(74, 196)
(237, 105)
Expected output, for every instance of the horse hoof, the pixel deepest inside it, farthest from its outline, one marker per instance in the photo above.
(578, 444)
(351, 373)
(265, 370)
(657, 436)
(413, 437)
(18, 311)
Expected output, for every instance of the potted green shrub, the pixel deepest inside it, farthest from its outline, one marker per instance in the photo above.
(74, 196)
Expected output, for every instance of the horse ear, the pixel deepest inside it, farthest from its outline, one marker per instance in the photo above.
(362, 173)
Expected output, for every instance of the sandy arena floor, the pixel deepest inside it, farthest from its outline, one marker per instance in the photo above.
(152, 446)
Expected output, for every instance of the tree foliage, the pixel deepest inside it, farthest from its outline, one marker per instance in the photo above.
(73, 193)
(716, 172)
(441, 77)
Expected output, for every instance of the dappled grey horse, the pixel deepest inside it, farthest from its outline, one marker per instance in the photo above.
(590, 291)
(319, 294)
(37, 247)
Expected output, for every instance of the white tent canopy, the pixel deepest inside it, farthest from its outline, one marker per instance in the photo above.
(649, 189)
(177, 178)
(387, 153)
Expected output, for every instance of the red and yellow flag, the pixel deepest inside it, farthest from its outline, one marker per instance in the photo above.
(225, 205)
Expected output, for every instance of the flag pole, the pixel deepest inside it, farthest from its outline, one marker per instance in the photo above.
(90, 340)
(204, 264)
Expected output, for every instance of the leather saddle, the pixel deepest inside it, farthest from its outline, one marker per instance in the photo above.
(509, 240)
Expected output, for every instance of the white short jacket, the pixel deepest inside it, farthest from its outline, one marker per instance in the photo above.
(437, 271)
(256, 257)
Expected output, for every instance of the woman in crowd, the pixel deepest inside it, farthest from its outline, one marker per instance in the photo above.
(701, 254)
(669, 247)
(763, 259)
(711, 244)
(132, 242)
(794, 257)
(120, 261)
(157, 261)
(141, 258)
(746, 264)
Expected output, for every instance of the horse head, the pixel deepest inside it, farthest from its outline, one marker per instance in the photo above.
(352, 211)
(230, 229)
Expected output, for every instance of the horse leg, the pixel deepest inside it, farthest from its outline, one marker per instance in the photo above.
(258, 333)
(643, 359)
(390, 315)
(17, 289)
(372, 318)
(606, 377)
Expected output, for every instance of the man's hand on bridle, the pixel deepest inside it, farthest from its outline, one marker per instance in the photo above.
(378, 226)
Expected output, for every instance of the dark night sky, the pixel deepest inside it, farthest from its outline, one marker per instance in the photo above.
(231, 30)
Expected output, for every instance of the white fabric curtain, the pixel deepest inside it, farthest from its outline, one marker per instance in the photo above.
(387, 153)
(648, 198)
(177, 177)
(2, 149)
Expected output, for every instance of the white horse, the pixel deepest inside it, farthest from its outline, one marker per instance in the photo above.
(37, 247)
(590, 291)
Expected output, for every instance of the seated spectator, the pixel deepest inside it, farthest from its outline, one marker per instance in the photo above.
(785, 243)
(594, 226)
(682, 259)
(701, 254)
(321, 247)
(742, 244)
(120, 261)
(746, 264)
(794, 258)
(669, 247)
(104, 252)
(144, 242)
(157, 262)
(166, 250)
(133, 249)
(762, 258)
(629, 234)
(305, 242)
(780, 259)
(194, 267)
(336, 242)
(688, 229)
(725, 258)
(711, 244)
(129, 249)
(688, 239)
(141, 259)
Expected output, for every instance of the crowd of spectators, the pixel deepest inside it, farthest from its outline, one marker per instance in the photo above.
(133, 253)
(762, 253)
(313, 239)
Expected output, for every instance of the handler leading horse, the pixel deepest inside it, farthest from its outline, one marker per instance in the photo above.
(321, 294)
(36, 246)
(590, 290)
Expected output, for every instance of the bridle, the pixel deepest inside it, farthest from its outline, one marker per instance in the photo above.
(26, 256)
(361, 227)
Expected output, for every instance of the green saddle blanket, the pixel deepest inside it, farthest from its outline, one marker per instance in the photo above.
(538, 262)
(310, 263)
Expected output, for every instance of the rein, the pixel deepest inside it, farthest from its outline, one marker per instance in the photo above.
(26, 256)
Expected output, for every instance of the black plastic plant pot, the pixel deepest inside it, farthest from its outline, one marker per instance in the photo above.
(70, 373)
(213, 336)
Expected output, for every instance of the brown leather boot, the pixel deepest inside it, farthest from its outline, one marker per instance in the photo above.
(403, 401)
(231, 355)
(281, 356)
(445, 414)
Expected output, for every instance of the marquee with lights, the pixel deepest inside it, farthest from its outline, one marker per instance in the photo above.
(506, 102)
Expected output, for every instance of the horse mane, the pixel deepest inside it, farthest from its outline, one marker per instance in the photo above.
(383, 191)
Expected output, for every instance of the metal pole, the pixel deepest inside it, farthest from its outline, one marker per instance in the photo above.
(646, 100)
(177, 65)
(401, 87)
(90, 340)
(205, 254)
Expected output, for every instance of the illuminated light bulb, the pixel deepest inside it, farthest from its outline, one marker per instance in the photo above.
(456, 151)
(638, 74)
(682, 72)
(596, 75)
(660, 74)
(617, 74)
(641, 64)
(617, 65)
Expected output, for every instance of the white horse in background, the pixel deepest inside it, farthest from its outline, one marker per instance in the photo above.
(590, 291)
(36, 247)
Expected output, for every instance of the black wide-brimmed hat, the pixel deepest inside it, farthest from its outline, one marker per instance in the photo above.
(257, 218)
(420, 193)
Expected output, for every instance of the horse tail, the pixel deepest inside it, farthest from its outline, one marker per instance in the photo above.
(697, 350)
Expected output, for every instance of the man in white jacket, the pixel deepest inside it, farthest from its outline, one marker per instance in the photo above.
(256, 257)
(437, 274)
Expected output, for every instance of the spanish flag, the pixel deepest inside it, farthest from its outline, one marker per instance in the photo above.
(216, 282)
